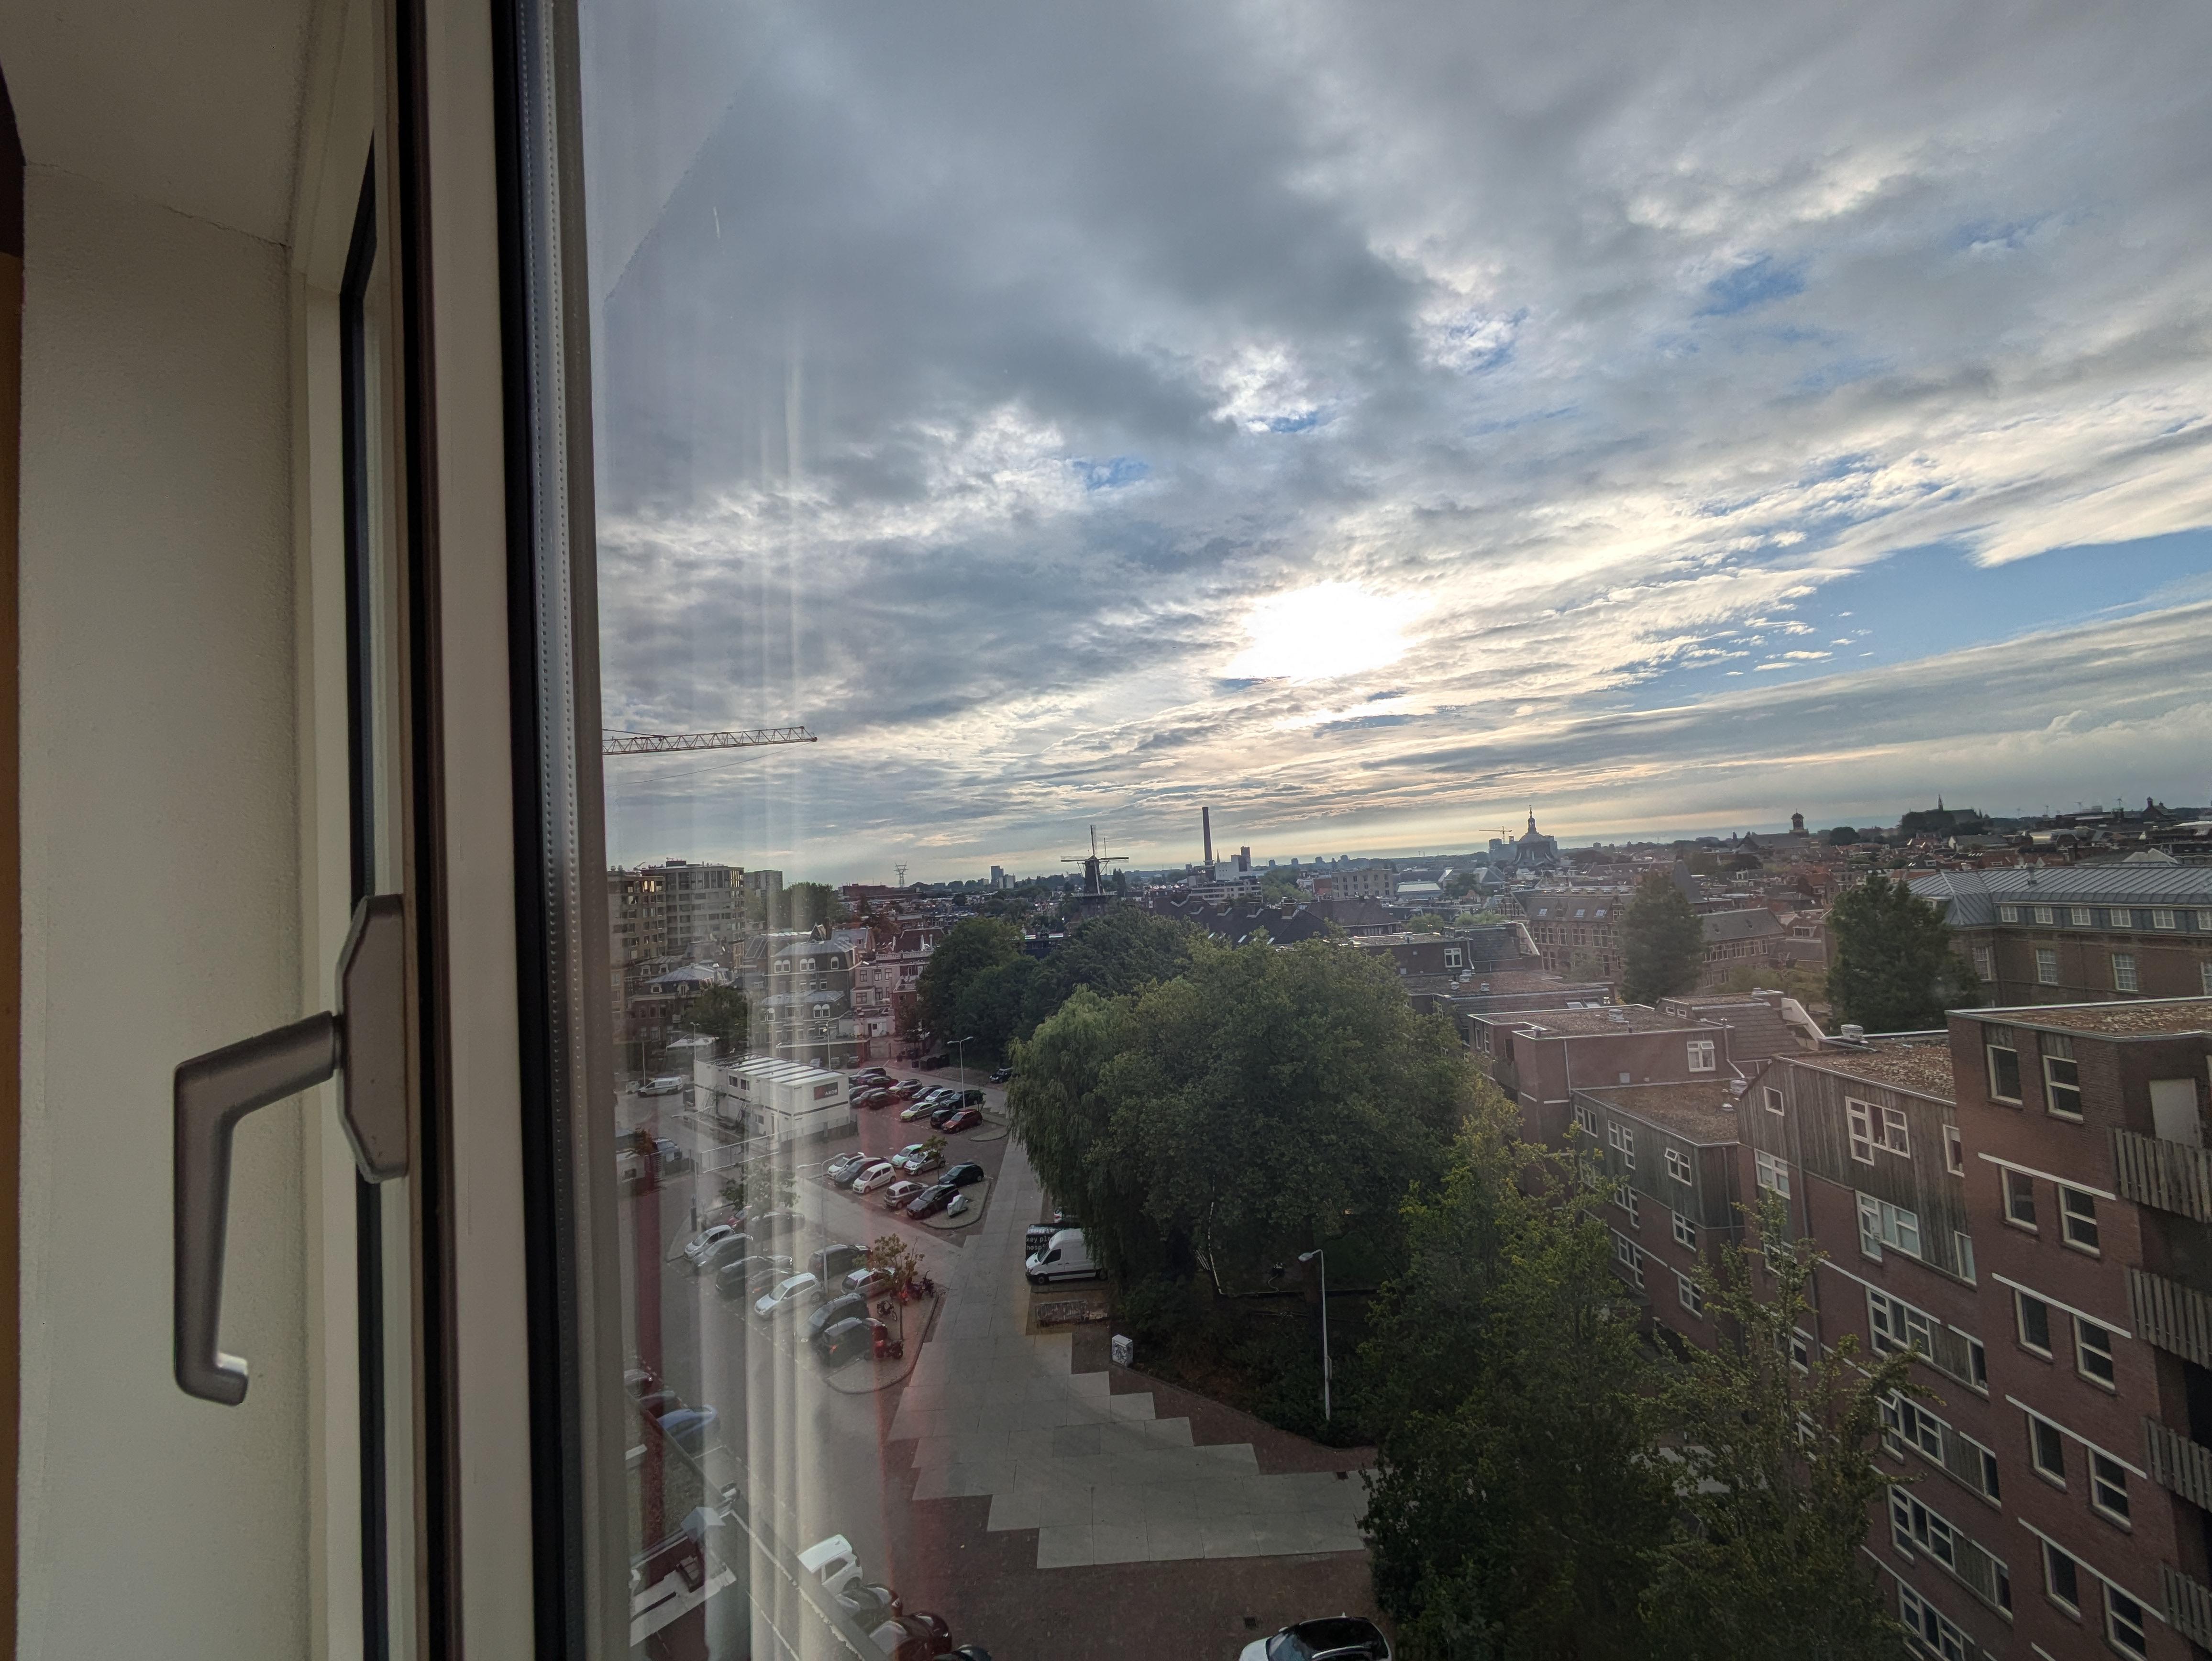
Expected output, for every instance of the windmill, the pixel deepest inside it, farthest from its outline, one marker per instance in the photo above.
(1094, 866)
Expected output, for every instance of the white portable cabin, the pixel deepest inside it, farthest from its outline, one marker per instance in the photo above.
(778, 1099)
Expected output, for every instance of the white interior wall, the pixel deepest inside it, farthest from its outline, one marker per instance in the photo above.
(161, 885)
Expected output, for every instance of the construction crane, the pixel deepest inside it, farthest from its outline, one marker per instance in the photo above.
(655, 744)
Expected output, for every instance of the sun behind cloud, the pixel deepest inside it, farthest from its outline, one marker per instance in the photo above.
(1319, 633)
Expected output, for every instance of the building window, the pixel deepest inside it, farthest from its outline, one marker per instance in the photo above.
(2046, 966)
(1678, 1165)
(1451, 956)
(2077, 1218)
(2045, 916)
(1882, 1224)
(2004, 1069)
(1691, 1299)
(1701, 1055)
(1935, 1631)
(1985, 962)
(1954, 1151)
(1964, 1244)
(2204, 970)
(1861, 1118)
(2092, 1352)
(1774, 1095)
(2019, 1198)
(1626, 1254)
(1773, 1174)
(1624, 1197)
(1800, 1349)
(2061, 1579)
(2034, 1317)
(2162, 918)
(2108, 1486)
(2123, 1621)
(2062, 1082)
(1685, 1233)
(1895, 1138)
(2123, 972)
(2046, 1451)
(2008, 913)
(1586, 1118)
(2079, 916)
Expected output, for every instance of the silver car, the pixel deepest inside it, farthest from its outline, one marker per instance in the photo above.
(787, 1293)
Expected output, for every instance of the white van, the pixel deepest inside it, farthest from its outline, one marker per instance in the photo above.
(669, 1084)
(1066, 1256)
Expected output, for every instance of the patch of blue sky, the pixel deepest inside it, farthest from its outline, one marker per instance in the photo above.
(1302, 421)
(1112, 473)
(1987, 237)
(1757, 282)
(1926, 602)
(1837, 372)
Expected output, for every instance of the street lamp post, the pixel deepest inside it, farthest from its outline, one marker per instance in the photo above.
(961, 1044)
(1307, 1258)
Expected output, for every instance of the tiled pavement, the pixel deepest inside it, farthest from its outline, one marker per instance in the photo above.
(993, 1410)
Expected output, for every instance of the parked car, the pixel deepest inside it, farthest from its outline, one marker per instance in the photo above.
(731, 1248)
(870, 1075)
(868, 1282)
(906, 1090)
(669, 1157)
(836, 1260)
(705, 1241)
(960, 1119)
(787, 1293)
(918, 1159)
(845, 1166)
(917, 1637)
(850, 1339)
(1066, 1257)
(769, 1224)
(964, 1175)
(1000, 1075)
(874, 1177)
(931, 1201)
(1333, 1637)
(869, 1099)
(971, 1097)
(941, 1112)
(739, 1275)
(690, 1428)
(920, 1108)
(937, 1063)
(896, 1196)
(671, 1084)
(837, 1309)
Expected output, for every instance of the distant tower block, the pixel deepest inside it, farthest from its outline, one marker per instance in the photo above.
(1205, 823)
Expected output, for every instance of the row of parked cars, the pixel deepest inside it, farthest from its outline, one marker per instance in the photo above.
(902, 1636)
(898, 1177)
(835, 1284)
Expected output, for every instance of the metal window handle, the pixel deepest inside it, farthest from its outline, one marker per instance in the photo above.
(367, 1039)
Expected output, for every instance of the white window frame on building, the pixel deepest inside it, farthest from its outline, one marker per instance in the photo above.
(1702, 1054)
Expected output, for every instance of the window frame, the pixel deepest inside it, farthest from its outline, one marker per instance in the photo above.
(1990, 1050)
(2108, 1353)
(2053, 1555)
(2022, 1302)
(2121, 1515)
(2046, 965)
(2125, 977)
(1686, 1232)
(2140, 1642)
(1954, 1150)
(2074, 1226)
(1703, 1056)
(2017, 1190)
(1771, 1171)
(2043, 1435)
(1858, 1128)
(1675, 1156)
(2054, 1086)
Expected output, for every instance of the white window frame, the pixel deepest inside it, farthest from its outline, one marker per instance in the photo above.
(1884, 1225)
(1687, 1293)
(1678, 1165)
(2107, 1476)
(2008, 913)
(2125, 977)
(1990, 1049)
(2045, 916)
(1774, 1096)
(2012, 1197)
(2020, 1300)
(1800, 1349)
(1686, 1232)
(2052, 1087)
(2046, 965)
(1858, 1124)
(1624, 1197)
(1945, 1641)
(1703, 1053)
(1586, 1118)
(2137, 1642)
(2109, 1353)
(1985, 962)
(1773, 1173)
(2160, 917)
(1954, 1150)
(1630, 1256)
(2080, 917)
(2037, 1425)
(2079, 1231)
(1896, 1133)
(2053, 1550)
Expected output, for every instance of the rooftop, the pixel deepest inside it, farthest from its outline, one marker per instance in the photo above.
(1921, 1065)
(1974, 895)
(1703, 1112)
(1618, 1018)
(2139, 1017)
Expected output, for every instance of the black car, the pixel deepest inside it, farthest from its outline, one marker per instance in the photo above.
(939, 1115)
(846, 1308)
(1335, 1638)
(832, 1263)
(931, 1201)
(1000, 1075)
(850, 1339)
(962, 1174)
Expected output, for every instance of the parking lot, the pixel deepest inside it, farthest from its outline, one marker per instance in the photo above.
(1047, 1503)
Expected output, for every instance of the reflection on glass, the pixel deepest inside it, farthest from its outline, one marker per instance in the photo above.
(1170, 583)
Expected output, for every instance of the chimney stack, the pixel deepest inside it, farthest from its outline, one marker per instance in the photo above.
(1205, 823)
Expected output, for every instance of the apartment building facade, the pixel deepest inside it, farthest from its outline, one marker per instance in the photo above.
(2023, 1199)
(2082, 933)
(1542, 1058)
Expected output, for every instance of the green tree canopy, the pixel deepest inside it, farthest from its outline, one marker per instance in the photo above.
(1775, 1475)
(1842, 837)
(1662, 942)
(1260, 1102)
(1895, 968)
(723, 1013)
(969, 949)
(1515, 1504)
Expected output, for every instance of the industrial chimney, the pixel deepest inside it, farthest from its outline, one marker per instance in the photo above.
(1205, 822)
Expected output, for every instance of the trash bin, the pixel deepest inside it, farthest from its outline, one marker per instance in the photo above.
(1124, 1350)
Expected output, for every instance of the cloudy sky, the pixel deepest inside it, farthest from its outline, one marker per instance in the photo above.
(1365, 419)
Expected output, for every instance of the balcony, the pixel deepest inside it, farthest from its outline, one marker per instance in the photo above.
(2170, 1175)
(2175, 1318)
(2188, 1605)
(2178, 1465)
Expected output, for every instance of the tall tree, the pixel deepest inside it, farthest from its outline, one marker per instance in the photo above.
(1775, 1476)
(1516, 1502)
(724, 1014)
(1662, 942)
(969, 949)
(1895, 968)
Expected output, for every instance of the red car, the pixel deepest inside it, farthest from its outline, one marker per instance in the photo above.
(966, 1119)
